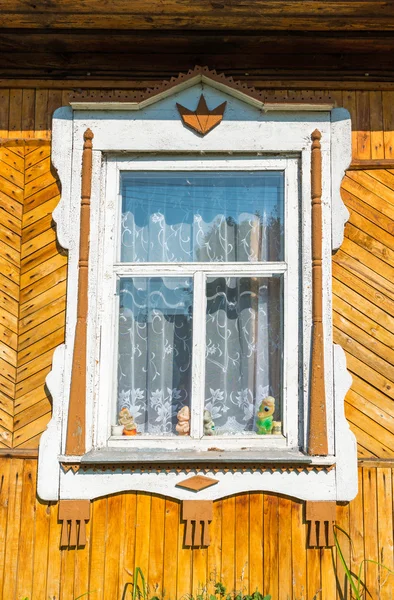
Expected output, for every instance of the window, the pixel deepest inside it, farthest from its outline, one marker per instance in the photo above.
(199, 290)
(205, 254)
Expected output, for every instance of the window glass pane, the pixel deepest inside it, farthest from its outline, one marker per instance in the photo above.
(202, 217)
(244, 352)
(155, 351)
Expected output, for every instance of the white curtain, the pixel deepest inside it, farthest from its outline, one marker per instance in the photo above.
(155, 350)
(200, 217)
(243, 349)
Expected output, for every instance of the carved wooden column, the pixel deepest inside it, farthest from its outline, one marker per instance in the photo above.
(317, 439)
(75, 442)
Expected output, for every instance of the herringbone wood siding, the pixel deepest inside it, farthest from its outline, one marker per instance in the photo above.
(363, 287)
(32, 289)
(12, 182)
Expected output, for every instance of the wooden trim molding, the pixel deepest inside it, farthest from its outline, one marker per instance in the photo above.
(18, 453)
(190, 468)
(317, 439)
(370, 164)
(75, 441)
(197, 73)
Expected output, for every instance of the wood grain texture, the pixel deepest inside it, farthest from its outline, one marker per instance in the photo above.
(75, 439)
(201, 15)
(364, 309)
(317, 435)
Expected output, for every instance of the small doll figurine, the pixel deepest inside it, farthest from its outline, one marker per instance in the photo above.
(183, 425)
(209, 425)
(264, 422)
(127, 420)
(276, 428)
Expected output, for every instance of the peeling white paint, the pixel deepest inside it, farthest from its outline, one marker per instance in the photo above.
(157, 128)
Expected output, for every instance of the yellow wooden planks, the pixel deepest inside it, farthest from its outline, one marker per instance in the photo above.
(32, 563)
(32, 321)
(363, 304)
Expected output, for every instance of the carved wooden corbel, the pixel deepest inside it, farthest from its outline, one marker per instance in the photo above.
(197, 514)
(75, 441)
(73, 512)
(321, 516)
(317, 438)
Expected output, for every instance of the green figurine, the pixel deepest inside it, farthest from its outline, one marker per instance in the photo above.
(209, 425)
(264, 422)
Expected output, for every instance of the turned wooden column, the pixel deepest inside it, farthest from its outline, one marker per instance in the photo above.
(317, 438)
(75, 441)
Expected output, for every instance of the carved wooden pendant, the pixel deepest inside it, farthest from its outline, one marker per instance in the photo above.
(202, 120)
(199, 512)
(322, 517)
(73, 511)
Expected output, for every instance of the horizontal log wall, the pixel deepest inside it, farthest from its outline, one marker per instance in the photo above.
(263, 541)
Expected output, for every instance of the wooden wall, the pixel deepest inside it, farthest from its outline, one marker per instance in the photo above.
(263, 541)
(257, 541)
(32, 283)
(32, 289)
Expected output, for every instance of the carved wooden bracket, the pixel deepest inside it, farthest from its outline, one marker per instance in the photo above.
(321, 516)
(74, 511)
(202, 120)
(197, 514)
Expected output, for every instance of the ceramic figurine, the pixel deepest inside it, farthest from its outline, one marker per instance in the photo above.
(183, 425)
(127, 420)
(209, 425)
(117, 430)
(276, 427)
(264, 421)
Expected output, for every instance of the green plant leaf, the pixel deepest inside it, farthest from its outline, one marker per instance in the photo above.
(220, 588)
(349, 575)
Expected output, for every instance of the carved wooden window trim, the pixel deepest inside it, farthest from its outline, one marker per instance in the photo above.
(60, 443)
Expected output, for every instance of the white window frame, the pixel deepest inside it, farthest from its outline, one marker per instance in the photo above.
(249, 127)
(112, 269)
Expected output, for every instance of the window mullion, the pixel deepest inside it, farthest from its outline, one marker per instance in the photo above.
(198, 368)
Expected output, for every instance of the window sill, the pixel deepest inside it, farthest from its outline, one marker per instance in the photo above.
(111, 456)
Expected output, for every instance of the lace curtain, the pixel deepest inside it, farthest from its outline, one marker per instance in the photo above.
(203, 217)
(243, 350)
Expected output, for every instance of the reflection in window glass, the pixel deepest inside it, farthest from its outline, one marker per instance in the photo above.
(202, 217)
(243, 353)
(155, 351)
